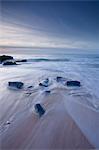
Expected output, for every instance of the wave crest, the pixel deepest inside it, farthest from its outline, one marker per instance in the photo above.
(48, 60)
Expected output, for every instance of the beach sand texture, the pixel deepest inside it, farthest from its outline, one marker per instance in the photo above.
(56, 129)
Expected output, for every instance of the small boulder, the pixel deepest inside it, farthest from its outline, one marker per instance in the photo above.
(30, 86)
(46, 80)
(48, 91)
(39, 109)
(5, 57)
(45, 83)
(17, 85)
(58, 78)
(73, 83)
(7, 123)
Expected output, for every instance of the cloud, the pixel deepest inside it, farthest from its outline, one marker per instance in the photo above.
(16, 35)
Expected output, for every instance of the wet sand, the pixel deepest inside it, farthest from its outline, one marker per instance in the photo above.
(56, 129)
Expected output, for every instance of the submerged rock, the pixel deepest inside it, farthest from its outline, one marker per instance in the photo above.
(28, 93)
(7, 123)
(9, 62)
(39, 109)
(45, 83)
(5, 57)
(30, 86)
(22, 60)
(18, 85)
(46, 80)
(73, 83)
(48, 91)
(58, 79)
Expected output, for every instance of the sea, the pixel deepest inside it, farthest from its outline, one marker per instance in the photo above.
(82, 67)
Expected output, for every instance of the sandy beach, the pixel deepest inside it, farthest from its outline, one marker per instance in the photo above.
(56, 129)
(71, 118)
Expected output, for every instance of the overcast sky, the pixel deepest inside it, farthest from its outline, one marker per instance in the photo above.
(58, 24)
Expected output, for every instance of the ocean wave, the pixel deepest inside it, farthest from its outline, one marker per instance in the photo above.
(92, 65)
(47, 60)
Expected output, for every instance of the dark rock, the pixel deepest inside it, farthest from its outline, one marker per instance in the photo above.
(39, 109)
(18, 85)
(48, 91)
(46, 80)
(5, 63)
(73, 83)
(44, 83)
(58, 79)
(7, 123)
(5, 57)
(30, 86)
(28, 93)
(23, 60)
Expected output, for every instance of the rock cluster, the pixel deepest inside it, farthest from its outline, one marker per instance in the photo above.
(5, 57)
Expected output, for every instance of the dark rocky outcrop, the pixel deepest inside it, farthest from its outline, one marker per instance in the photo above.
(9, 62)
(18, 85)
(73, 83)
(5, 57)
(39, 109)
